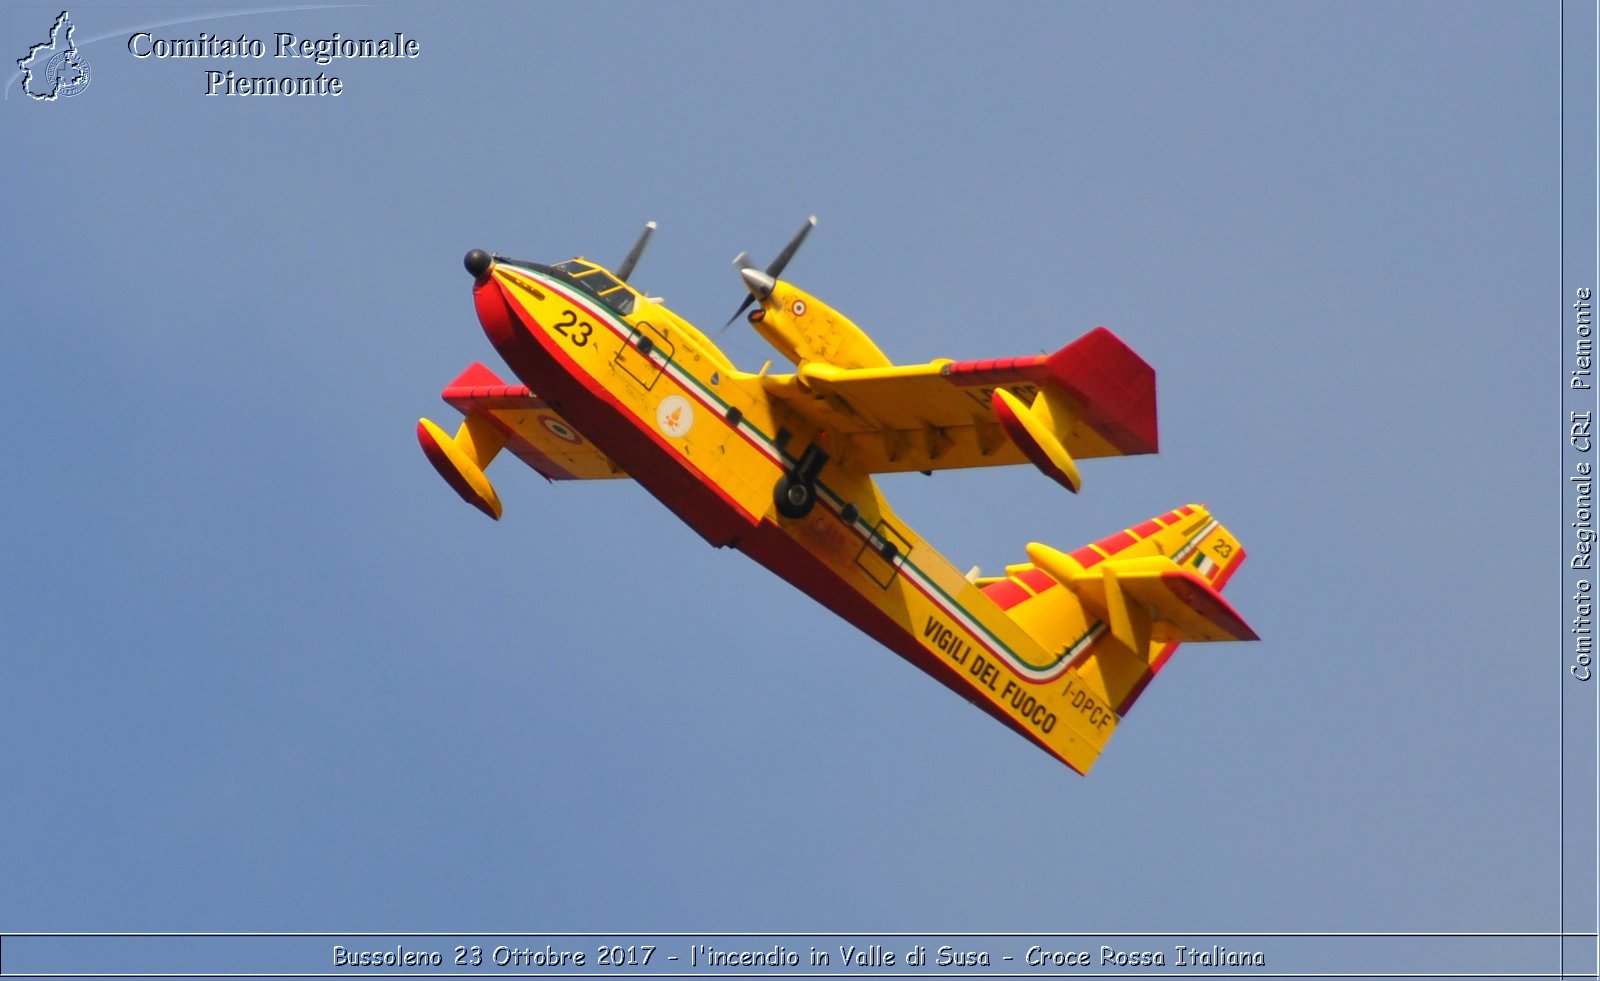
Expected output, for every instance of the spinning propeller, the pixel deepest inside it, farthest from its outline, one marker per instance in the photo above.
(760, 283)
(626, 269)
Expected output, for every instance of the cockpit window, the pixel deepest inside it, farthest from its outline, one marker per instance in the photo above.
(620, 300)
(598, 280)
(597, 283)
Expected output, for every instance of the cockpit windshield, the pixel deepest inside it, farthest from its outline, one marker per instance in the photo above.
(597, 283)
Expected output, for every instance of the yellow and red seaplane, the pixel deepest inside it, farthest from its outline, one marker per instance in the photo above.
(781, 467)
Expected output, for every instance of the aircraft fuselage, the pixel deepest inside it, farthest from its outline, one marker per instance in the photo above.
(710, 443)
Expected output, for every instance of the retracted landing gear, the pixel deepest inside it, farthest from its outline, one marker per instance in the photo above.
(796, 492)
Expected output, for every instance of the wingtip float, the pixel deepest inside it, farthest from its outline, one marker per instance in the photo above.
(460, 460)
(782, 467)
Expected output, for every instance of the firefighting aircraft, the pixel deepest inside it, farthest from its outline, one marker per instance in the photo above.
(781, 467)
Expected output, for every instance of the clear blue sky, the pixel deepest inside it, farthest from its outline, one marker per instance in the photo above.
(260, 669)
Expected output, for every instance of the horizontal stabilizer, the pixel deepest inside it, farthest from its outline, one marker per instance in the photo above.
(1191, 607)
(1180, 605)
(1119, 607)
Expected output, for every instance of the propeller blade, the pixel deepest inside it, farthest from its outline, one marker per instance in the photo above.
(749, 299)
(626, 269)
(789, 250)
(760, 284)
(741, 262)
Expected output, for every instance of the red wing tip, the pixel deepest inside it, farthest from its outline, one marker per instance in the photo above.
(1115, 385)
(477, 375)
(479, 387)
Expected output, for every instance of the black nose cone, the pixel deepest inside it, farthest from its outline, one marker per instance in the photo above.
(477, 263)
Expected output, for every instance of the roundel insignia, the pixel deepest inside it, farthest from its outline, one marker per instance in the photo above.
(674, 415)
(799, 307)
(560, 429)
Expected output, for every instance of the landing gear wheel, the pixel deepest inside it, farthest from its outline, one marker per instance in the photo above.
(796, 493)
(794, 497)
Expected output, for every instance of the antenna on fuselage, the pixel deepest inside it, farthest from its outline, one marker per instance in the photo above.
(760, 284)
(626, 269)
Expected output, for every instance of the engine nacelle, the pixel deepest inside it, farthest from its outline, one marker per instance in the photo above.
(803, 328)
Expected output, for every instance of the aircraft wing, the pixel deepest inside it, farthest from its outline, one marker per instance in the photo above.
(940, 415)
(534, 433)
